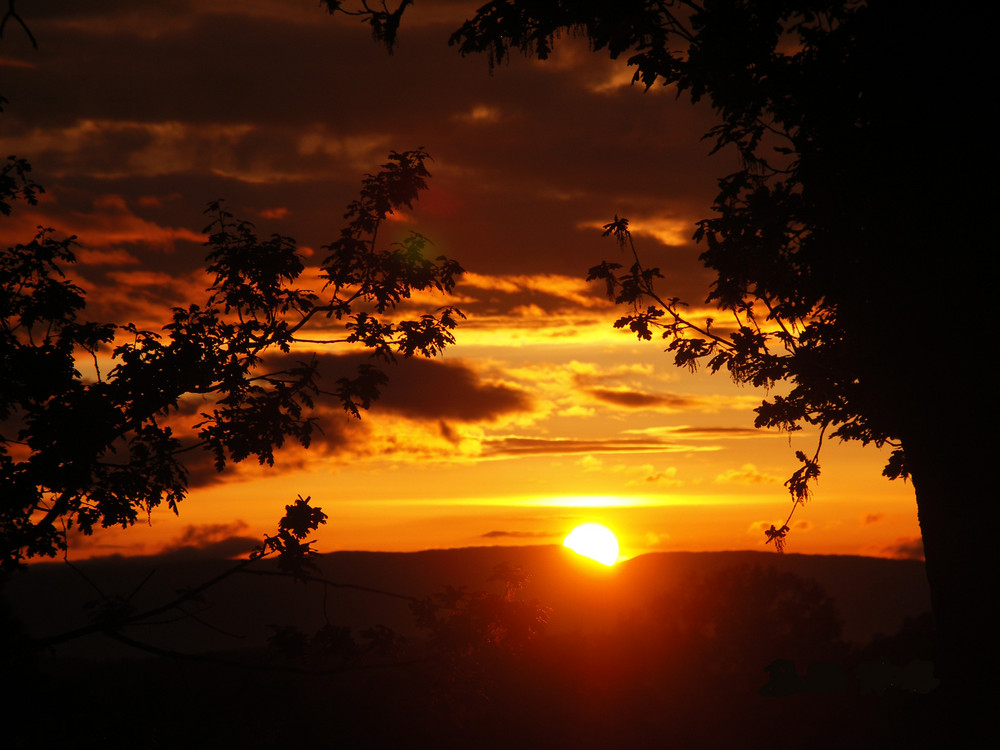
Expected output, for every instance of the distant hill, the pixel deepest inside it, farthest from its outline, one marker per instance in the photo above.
(873, 595)
(664, 650)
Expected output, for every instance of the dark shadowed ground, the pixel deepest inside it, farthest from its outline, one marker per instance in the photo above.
(728, 649)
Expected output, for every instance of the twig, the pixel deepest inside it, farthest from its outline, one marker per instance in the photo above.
(11, 13)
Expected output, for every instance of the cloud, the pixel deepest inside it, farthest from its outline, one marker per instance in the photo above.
(715, 432)
(358, 151)
(143, 148)
(670, 231)
(281, 110)
(906, 549)
(142, 296)
(480, 113)
(232, 547)
(746, 474)
(103, 224)
(9, 63)
(655, 541)
(279, 212)
(587, 374)
(873, 518)
(589, 463)
(708, 404)
(635, 476)
(206, 535)
(518, 535)
(701, 433)
(195, 542)
(574, 289)
(430, 410)
(646, 475)
(200, 467)
(426, 389)
(527, 446)
(114, 257)
(632, 399)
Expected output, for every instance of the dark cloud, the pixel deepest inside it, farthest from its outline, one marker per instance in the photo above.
(432, 389)
(716, 431)
(518, 535)
(638, 400)
(237, 546)
(906, 549)
(211, 535)
(524, 446)
(198, 536)
(200, 467)
(448, 432)
(333, 433)
(313, 98)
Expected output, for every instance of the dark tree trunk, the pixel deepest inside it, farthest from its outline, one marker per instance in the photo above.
(928, 334)
(953, 474)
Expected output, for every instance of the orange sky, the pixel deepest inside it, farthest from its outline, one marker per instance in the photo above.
(542, 416)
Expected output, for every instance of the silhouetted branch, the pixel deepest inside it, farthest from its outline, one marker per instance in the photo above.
(139, 618)
(254, 665)
(12, 14)
(384, 23)
(798, 486)
(326, 582)
(746, 352)
(644, 286)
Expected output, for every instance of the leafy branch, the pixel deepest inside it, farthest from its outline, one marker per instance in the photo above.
(235, 350)
(746, 353)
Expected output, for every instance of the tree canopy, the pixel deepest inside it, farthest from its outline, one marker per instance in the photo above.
(841, 246)
(848, 265)
(793, 239)
(81, 448)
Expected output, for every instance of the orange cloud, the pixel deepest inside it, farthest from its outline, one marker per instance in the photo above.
(746, 474)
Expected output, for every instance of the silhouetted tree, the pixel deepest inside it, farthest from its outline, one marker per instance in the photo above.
(849, 262)
(99, 449)
(728, 626)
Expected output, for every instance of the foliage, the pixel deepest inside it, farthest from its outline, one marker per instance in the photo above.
(466, 624)
(384, 23)
(747, 616)
(293, 552)
(474, 634)
(804, 240)
(86, 451)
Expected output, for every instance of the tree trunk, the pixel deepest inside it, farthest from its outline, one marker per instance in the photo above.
(959, 520)
(930, 311)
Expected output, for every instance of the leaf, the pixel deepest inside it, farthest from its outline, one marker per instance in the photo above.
(301, 519)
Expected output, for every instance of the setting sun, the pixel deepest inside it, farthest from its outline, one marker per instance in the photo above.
(594, 541)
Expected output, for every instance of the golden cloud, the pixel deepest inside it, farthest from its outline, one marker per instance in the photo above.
(746, 474)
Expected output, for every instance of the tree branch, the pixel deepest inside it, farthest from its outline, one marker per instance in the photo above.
(12, 14)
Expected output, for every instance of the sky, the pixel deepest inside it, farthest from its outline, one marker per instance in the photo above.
(542, 416)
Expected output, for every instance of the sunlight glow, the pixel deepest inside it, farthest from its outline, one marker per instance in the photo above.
(594, 541)
(593, 501)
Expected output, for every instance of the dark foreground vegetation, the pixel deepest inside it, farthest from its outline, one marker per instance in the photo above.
(732, 650)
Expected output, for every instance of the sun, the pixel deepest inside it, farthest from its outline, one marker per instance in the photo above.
(594, 541)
